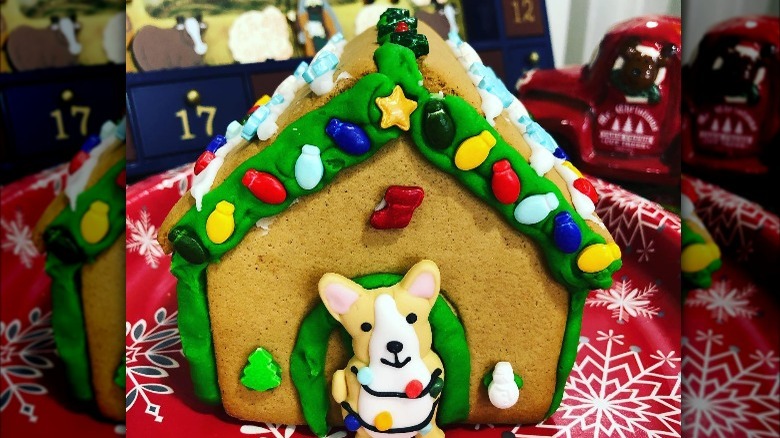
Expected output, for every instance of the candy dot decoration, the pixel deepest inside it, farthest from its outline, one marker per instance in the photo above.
(586, 188)
(474, 150)
(121, 179)
(383, 421)
(437, 387)
(597, 257)
(505, 182)
(401, 27)
(308, 167)
(254, 121)
(396, 109)
(94, 223)
(349, 137)
(536, 208)
(365, 376)
(413, 389)
(203, 160)
(566, 233)
(90, 143)
(438, 128)
(220, 224)
(351, 423)
(572, 168)
(264, 186)
(425, 430)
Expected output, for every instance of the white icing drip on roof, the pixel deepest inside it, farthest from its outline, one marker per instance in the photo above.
(202, 182)
(77, 181)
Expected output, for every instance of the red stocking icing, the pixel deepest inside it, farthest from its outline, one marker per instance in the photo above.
(401, 201)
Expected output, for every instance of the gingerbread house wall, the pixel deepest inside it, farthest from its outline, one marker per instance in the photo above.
(511, 308)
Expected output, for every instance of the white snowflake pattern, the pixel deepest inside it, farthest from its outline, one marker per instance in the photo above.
(17, 238)
(614, 391)
(275, 430)
(149, 357)
(632, 231)
(732, 220)
(142, 238)
(626, 301)
(726, 395)
(23, 354)
(724, 301)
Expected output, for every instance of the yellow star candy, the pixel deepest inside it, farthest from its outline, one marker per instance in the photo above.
(396, 109)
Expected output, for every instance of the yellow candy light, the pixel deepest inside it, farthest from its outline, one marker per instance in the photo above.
(383, 421)
(698, 256)
(263, 100)
(94, 223)
(396, 109)
(572, 168)
(598, 257)
(474, 150)
(220, 224)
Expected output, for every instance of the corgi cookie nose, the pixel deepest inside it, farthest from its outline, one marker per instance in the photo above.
(395, 347)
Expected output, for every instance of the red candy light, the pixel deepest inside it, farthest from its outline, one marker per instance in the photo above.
(401, 203)
(413, 389)
(121, 179)
(587, 189)
(402, 27)
(203, 160)
(505, 182)
(264, 186)
(77, 161)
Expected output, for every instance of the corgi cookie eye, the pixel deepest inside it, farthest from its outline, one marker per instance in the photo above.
(411, 318)
(366, 327)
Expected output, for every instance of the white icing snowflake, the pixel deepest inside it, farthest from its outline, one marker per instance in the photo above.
(148, 357)
(724, 301)
(17, 238)
(279, 431)
(726, 394)
(23, 354)
(626, 301)
(614, 390)
(142, 238)
(632, 220)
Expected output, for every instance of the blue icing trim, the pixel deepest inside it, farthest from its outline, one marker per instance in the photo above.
(497, 88)
(325, 62)
(276, 99)
(233, 129)
(254, 121)
(120, 130)
(308, 167)
(455, 38)
(300, 69)
(539, 135)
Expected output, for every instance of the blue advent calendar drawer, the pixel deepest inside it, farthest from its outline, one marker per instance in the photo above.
(175, 118)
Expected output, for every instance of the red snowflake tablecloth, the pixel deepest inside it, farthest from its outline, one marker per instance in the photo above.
(626, 380)
(33, 399)
(730, 337)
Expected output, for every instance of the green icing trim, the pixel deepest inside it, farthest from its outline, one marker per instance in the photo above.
(571, 338)
(195, 327)
(488, 379)
(67, 321)
(449, 342)
(70, 335)
(307, 362)
(396, 65)
(262, 372)
(119, 375)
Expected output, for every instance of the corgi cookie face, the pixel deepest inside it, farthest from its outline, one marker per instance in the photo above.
(385, 323)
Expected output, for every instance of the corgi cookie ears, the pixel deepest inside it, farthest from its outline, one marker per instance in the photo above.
(423, 280)
(340, 293)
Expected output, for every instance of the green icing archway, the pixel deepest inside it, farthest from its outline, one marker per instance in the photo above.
(307, 362)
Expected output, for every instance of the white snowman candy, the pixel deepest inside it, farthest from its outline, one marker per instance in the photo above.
(503, 391)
